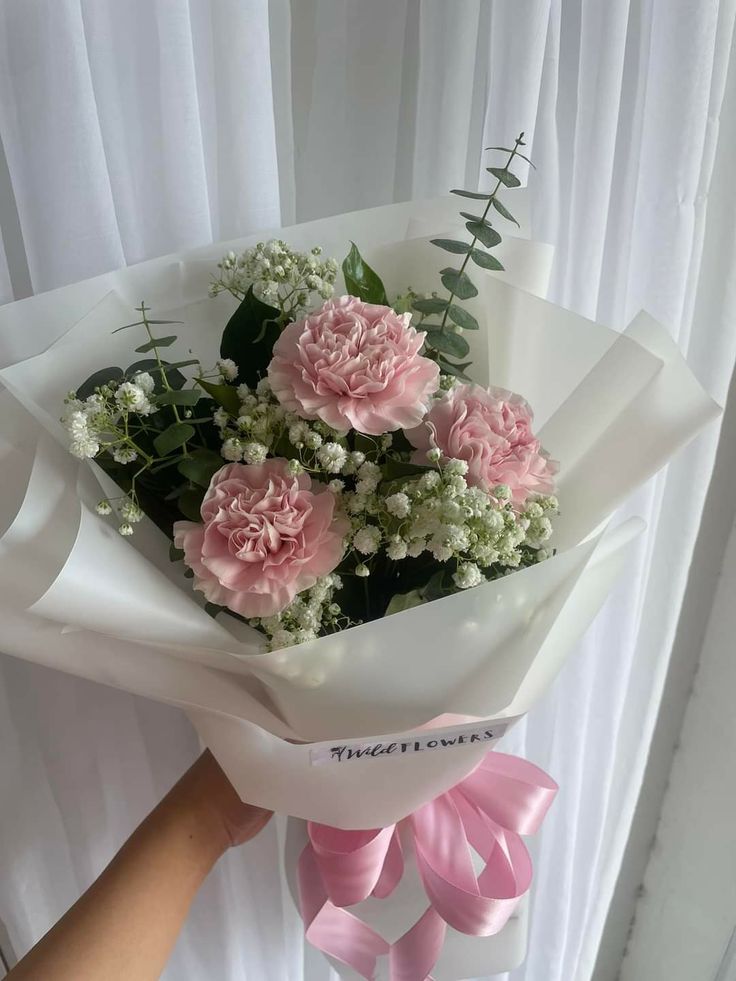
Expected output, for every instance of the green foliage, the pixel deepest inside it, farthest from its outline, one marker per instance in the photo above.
(97, 380)
(430, 304)
(458, 283)
(224, 395)
(404, 601)
(249, 337)
(485, 260)
(156, 342)
(450, 343)
(451, 245)
(504, 176)
(361, 280)
(190, 502)
(200, 466)
(185, 396)
(441, 341)
(174, 436)
(461, 317)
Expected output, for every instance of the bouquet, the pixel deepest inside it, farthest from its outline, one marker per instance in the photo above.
(380, 556)
(339, 464)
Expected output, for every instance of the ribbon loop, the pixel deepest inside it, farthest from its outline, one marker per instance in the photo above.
(503, 798)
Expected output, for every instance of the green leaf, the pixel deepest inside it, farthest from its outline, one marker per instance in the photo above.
(516, 153)
(476, 195)
(224, 395)
(462, 318)
(366, 444)
(484, 232)
(249, 337)
(505, 176)
(458, 283)
(156, 342)
(450, 343)
(96, 380)
(394, 469)
(189, 504)
(451, 368)
(173, 437)
(139, 323)
(485, 260)
(175, 554)
(173, 376)
(438, 586)
(187, 396)
(404, 601)
(451, 245)
(504, 212)
(361, 280)
(430, 304)
(201, 466)
(430, 328)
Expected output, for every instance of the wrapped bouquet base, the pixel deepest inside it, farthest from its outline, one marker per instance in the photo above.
(456, 864)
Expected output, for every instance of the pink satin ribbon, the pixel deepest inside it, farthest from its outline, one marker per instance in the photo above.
(503, 798)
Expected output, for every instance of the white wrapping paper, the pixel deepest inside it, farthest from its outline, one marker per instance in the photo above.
(612, 409)
(75, 596)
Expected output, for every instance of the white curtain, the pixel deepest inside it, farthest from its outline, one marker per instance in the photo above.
(134, 129)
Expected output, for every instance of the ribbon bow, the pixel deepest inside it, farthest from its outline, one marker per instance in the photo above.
(503, 798)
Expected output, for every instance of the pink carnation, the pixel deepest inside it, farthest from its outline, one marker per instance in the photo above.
(354, 365)
(265, 537)
(492, 431)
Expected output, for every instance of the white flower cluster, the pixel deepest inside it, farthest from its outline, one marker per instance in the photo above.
(251, 436)
(95, 422)
(481, 532)
(280, 275)
(312, 614)
(129, 511)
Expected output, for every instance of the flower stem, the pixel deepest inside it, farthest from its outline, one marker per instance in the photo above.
(490, 201)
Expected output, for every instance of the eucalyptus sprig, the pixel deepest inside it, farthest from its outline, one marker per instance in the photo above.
(444, 338)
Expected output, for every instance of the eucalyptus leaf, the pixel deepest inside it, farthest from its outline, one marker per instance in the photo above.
(394, 469)
(450, 343)
(458, 283)
(504, 212)
(438, 586)
(173, 376)
(361, 280)
(516, 153)
(201, 466)
(186, 396)
(476, 195)
(430, 304)
(156, 342)
(452, 368)
(173, 437)
(484, 233)
(140, 323)
(486, 260)
(224, 395)
(462, 318)
(96, 380)
(249, 337)
(190, 502)
(505, 176)
(404, 601)
(451, 245)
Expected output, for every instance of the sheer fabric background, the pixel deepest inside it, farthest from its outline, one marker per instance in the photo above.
(131, 130)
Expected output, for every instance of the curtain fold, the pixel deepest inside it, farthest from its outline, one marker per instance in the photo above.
(136, 129)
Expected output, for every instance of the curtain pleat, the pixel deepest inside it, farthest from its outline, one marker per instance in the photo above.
(132, 130)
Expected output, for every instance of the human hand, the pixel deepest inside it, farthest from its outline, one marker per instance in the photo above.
(206, 791)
